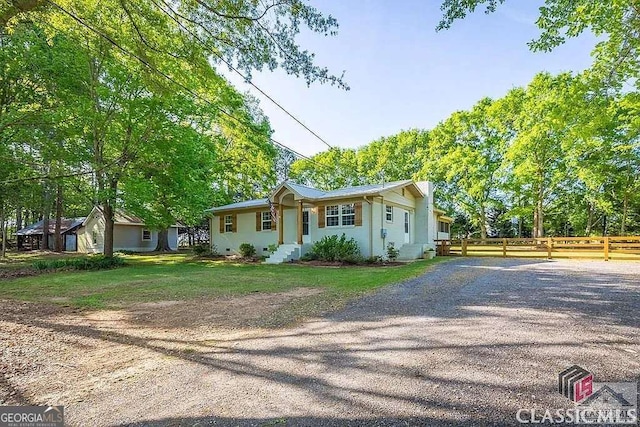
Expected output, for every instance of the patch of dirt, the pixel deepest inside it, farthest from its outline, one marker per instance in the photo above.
(229, 311)
(318, 263)
(14, 273)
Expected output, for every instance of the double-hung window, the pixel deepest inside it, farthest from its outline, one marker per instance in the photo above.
(389, 213)
(340, 215)
(266, 220)
(348, 214)
(146, 235)
(333, 215)
(228, 223)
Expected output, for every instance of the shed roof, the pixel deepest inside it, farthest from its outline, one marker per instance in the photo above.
(67, 224)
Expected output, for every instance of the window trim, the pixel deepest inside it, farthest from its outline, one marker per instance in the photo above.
(264, 221)
(336, 215)
(352, 214)
(388, 211)
(340, 215)
(142, 235)
(228, 225)
(94, 237)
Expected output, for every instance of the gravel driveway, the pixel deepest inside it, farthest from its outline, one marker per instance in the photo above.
(468, 343)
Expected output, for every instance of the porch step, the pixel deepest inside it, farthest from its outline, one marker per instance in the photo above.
(285, 253)
(411, 251)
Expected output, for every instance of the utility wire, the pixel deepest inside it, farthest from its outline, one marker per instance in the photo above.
(169, 78)
(173, 15)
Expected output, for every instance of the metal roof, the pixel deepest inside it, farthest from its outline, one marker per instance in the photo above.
(311, 193)
(36, 229)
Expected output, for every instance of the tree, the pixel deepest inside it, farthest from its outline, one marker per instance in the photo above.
(247, 34)
(615, 22)
(464, 156)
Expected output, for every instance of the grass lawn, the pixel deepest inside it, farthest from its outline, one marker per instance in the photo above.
(180, 277)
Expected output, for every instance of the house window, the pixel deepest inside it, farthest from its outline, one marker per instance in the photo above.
(406, 222)
(94, 236)
(348, 214)
(333, 216)
(389, 213)
(337, 215)
(443, 227)
(266, 220)
(228, 223)
(146, 234)
(305, 223)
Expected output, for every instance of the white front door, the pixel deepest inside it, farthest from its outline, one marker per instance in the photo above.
(407, 235)
(306, 230)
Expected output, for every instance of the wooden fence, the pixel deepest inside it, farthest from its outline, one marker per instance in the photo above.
(608, 247)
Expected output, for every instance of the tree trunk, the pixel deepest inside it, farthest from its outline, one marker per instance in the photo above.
(587, 230)
(540, 209)
(107, 250)
(3, 252)
(163, 241)
(18, 218)
(46, 213)
(18, 227)
(57, 246)
(625, 208)
(109, 211)
(483, 223)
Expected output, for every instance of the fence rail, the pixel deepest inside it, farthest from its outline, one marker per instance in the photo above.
(607, 247)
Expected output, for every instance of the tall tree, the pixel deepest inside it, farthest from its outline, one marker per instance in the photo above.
(464, 155)
(615, 22)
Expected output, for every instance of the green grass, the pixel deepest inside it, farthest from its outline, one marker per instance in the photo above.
(179, 277)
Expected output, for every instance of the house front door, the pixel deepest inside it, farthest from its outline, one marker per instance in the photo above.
(407, 228)
(306, 235)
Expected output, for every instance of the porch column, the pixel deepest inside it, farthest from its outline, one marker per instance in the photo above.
(280, 224)
(300, 222)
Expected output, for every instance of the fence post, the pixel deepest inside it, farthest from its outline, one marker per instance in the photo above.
(606, 248)
(549, 246)
(464, 247)
(504, 247)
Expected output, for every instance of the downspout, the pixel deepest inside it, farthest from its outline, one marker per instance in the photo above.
(382, 214)
(370, 202)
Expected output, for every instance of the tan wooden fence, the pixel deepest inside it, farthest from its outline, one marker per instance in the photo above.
(608, 247)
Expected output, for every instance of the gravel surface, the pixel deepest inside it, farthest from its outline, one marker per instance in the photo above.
(468, 343)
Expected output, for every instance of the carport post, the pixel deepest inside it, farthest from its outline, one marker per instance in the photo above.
(606, 248)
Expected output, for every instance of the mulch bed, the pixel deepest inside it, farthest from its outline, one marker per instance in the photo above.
(317, 263)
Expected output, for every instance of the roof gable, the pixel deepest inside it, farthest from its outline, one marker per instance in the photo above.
(313, 194)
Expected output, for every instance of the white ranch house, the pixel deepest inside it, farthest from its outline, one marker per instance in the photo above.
(400, 212)
(129, 233)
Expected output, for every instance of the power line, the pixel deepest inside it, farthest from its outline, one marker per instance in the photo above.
(231, 67)
(164, 75)
(245, 78)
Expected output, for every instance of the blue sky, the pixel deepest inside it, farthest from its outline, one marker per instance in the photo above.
(405, 75)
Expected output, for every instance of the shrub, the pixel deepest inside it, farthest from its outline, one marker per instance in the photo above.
(247, 250)
(392, 252)
(204, 250)
(334, 248)
(96, 262)
(376, 259)
(272, 248)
